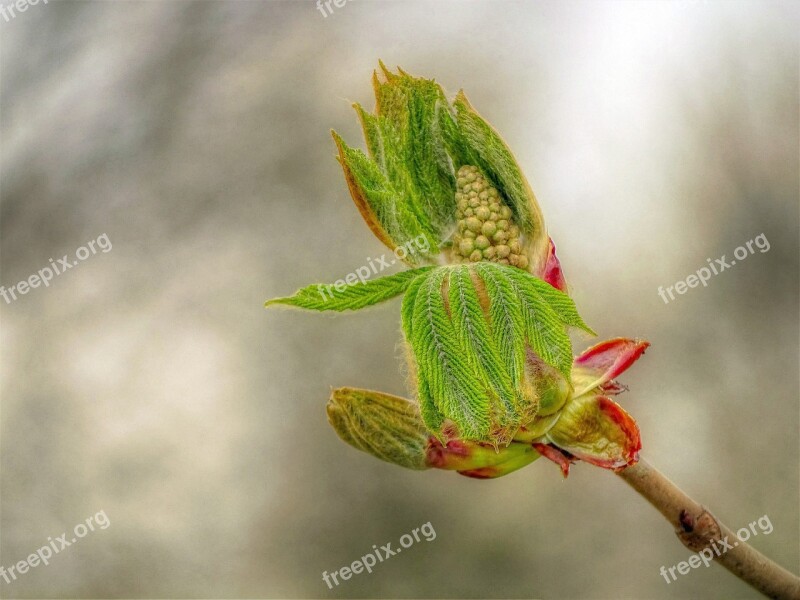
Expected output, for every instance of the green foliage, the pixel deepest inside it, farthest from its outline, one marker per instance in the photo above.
(506, 320)
(407, 180)
(353, 296)
(409, 108)
(450, 380)
(385, 426)
(561, 303)
(469, 327)
(478, 345)
(477, 143)
(416, 142)
(395, 209)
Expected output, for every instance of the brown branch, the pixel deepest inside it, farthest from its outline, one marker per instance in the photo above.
(698, 529)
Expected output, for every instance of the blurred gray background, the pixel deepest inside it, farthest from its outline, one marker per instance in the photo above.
(149, 382)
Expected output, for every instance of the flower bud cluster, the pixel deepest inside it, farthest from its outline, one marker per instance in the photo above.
(486, 229)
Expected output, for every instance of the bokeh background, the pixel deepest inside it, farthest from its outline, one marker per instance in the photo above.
(150, 383)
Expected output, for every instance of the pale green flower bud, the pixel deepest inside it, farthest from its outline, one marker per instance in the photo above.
(466, 247)
(481, 242)
(483, 215)
(473, 224)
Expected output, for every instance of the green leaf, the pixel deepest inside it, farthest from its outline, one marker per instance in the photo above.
(415, 192)
(452, 383)
(431, 415)
(423, 150)
(485, 148)
(470, 328)
(372, 135)
(386, 200)
(351, 296)
(457, 147)
(478, 345)
(562, 304)
(507, 320)
(544, 328)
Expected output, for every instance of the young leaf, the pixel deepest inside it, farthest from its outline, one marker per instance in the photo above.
(431, 415)
(478, 345)
(469, 328)
(506, 318)
(354, 296)
(409, 181)
(452, 382)
(384, 206)
(491, 153)
(544, 328)
(388, 427)
(563, 305)
(372, 135)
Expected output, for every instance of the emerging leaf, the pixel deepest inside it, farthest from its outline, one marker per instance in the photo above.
(479, 347)
(469, 329)
(449, 381)
(351, 296)
(420, 147)
(544, 325)
(563, 305)
(408, 109)
(388, 427)
(477, 143)
(383, 203)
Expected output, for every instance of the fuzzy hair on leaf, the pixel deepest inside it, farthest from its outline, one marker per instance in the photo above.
(354, 296)
(452, 382)
(469, 328)
(386, 426)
